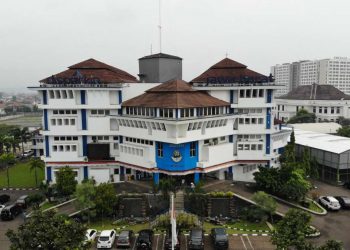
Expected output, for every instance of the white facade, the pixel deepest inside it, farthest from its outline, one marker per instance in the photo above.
(82, 121)
(325, 110)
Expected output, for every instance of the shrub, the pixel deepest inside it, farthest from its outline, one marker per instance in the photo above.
(36, 198)
(315, 195)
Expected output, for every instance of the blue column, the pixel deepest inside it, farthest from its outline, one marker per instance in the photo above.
(267, 150)
(34, 152)
(46, 121)
(156, 178)
(47, 146)
(230, 170)
(84, 145)
(44, 96)
(268, 118)
(83, 119)
(231, 96)
(48, 174)
(196, 178)
(120, 96)
(121, 170)
(86, 173)
(82, 96)
(269, 96)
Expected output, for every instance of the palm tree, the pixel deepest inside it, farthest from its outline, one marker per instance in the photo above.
(21, 135)
(6, 159)
(36, 163)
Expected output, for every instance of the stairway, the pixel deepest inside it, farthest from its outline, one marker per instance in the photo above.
(179, 201)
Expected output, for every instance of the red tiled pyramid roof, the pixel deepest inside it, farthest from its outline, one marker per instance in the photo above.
(174, 94)
(227, 68)
(92, 68)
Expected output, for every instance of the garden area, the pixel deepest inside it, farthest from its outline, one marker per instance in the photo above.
(21, 176)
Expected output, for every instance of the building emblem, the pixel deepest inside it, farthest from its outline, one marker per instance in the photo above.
(176, 156)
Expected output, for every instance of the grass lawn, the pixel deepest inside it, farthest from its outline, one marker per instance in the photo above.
(315, 208)
(106, 224)
(47, 205)
(20, 176)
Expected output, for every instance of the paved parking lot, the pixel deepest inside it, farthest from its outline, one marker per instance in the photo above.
(235, 243)
(14, 224)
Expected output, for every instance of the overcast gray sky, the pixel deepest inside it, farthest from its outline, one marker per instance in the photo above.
(39, 38)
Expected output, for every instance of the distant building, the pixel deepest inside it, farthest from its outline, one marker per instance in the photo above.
(2, 109)
(319, 127)
(335, 72)
(331, 152)
(325, 101)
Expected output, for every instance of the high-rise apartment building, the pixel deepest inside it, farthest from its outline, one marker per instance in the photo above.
(335, 72)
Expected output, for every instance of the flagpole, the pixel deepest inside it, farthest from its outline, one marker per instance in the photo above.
(173, 224)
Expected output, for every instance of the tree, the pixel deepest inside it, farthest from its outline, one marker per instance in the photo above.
(36, 164)
(289, 152)
(268, 179)
(331, 245)
(292, 230)
(105, 199)
(303, 116)
(48, 231)
(65, 181)
(21, 135)
(85, 194)
(344, 131)
(296, 187)
(266, 203)
(5, 160)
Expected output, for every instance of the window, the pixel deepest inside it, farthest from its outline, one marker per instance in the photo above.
(116, 171)
(261, 120)
(320, 110)
(192, 149)
(261, 93)
(260, 146)
(241, 121)
(72, 121)
(128, 171)
(325, 110)
(240, 146)
(338, 110)
(241, 93)
(314, 110)
(246, 146)
(248, 93)
(332, 110)
(53, 122)
(255, 93)
(159, 149)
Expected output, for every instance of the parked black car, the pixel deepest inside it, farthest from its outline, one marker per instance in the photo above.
(344, 201)
(168, 240)
(144, 240)
(124, 239)
(220, 238)
(196, 240)
(10, 212)
(4, 198)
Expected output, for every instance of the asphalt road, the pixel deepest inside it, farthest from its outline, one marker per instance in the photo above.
(235, 243)
(14, 224)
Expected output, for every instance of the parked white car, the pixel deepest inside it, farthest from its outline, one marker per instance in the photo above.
(90, 235)
(106, 239)
(27, 153)
(1, 208)
(329, 202)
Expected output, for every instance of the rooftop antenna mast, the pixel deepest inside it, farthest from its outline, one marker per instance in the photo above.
(160, 27)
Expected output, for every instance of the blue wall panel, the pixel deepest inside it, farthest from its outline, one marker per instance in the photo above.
(47, 146)
(156, 178)
(268, 118)
(231, 96)
(269, 96)
(84, 145)
(185, 162)
(46, 120)
(82, 96)
(86, 173)
(48, 174)
(268, 142)
(44, 96)
(83, 119)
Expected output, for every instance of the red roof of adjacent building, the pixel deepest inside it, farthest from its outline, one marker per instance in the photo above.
(174, 94)
(91, 69)
(227, 68)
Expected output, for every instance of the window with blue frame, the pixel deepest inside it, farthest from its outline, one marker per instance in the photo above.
(192, 149)
(160, 152)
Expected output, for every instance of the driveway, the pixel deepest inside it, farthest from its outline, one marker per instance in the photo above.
(334, 225)
(14, 224)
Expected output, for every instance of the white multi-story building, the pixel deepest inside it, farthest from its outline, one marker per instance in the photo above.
(104, 124)
(283, 75)
(325, 101)
(335, 72)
